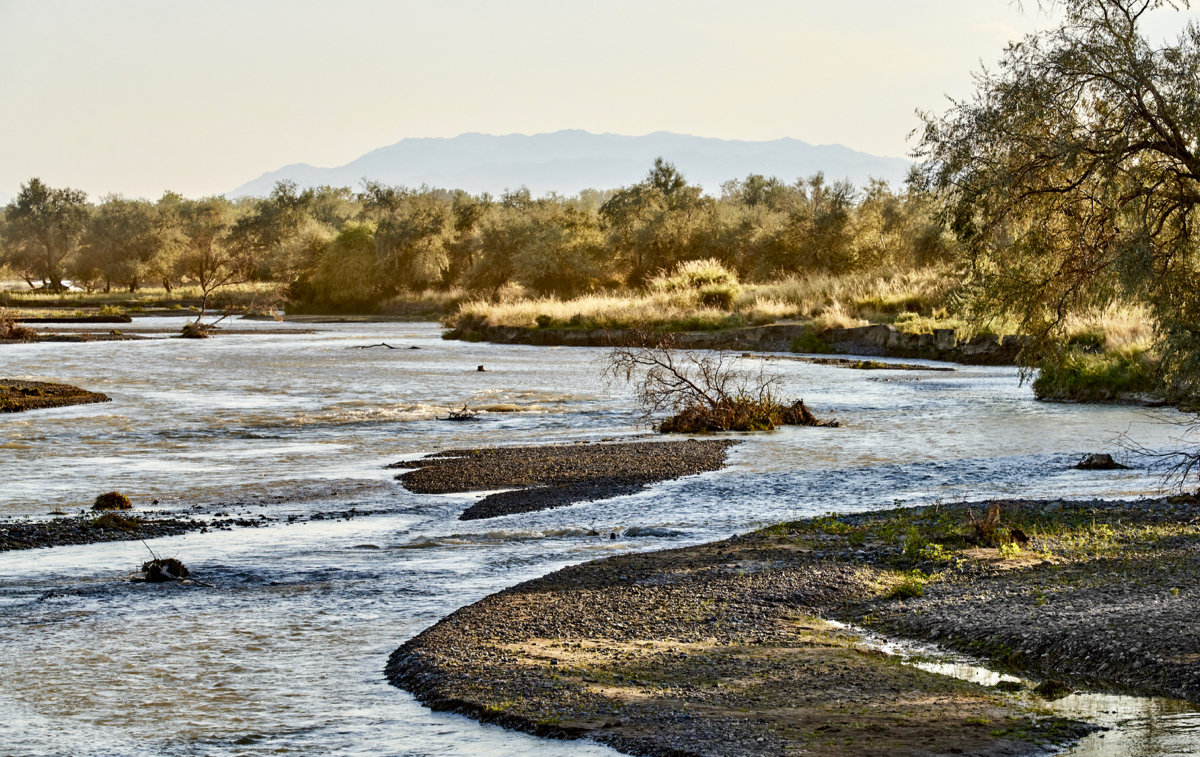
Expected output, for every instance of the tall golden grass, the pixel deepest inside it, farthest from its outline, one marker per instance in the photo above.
(687, 297)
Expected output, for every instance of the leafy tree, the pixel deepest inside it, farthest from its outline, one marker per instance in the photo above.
(348, 275)
(334, 207)
(755, 191)
(42, 230)
(656, 223)
(562, 253)
(469, 216)
(413, 235)
(125, 242)
(208, 256)
(1072, 176)
(503, 232)
(818, 234)
(263, 233)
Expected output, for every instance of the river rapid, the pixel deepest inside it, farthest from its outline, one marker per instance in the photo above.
(282, 649)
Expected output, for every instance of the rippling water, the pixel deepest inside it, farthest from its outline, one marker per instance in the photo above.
(284, 651)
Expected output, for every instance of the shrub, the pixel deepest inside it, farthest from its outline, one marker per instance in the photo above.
(161, 570)
(112, 501)
(910, 586)
(1089, 340)
(1086, 377)
(115, 522)
(10, 329)
(1012, 549)
(740, 414)
(810, 342)
(194, 330)
(706, 392)
(695, 275)
(718, 295)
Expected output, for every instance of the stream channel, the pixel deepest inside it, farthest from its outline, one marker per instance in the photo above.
(283, 650)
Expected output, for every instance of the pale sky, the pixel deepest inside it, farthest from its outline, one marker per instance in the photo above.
(140, 96)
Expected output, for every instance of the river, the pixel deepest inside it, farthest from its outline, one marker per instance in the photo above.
(282, 651)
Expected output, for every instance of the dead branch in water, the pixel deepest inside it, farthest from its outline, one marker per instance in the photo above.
(703, 391)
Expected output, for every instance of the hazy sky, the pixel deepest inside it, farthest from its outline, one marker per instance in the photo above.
(138, 96)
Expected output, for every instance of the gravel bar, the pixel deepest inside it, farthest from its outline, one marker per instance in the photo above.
(723, 649)
(555, 475)
(708, 650)
(90, 529)
(17, 396)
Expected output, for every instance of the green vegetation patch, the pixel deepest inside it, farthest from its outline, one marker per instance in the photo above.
(1083, 376)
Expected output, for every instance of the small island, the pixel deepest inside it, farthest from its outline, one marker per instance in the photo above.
(542, 477)
(17, 396)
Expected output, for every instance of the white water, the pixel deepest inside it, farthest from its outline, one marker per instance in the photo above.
(284, 653)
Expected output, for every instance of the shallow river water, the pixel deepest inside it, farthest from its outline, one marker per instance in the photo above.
(282, 651)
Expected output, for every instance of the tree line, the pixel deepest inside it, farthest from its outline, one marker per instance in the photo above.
(337, 248)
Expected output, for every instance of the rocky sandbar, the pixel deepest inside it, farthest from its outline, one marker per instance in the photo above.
(555, 475)
(17, 396)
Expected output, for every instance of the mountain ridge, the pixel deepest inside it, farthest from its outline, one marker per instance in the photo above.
(570, 160)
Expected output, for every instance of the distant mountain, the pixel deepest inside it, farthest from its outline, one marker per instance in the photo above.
(570, 160)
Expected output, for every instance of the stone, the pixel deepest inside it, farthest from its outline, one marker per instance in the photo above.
(1099, 461)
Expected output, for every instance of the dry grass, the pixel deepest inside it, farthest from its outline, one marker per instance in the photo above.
(870, 295)
(260, 292)
(596, 311)
(428, 303)
(685, 299)
(1120, 327)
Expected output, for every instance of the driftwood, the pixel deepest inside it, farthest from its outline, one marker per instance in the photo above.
(161, 570)
(370, 346)
(466, 414)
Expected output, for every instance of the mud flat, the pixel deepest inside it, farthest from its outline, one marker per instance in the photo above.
(549, 476)
(722, 648)
(17, 396)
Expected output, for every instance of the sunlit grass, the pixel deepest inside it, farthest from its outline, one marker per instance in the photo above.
(706, 297)
(262, 293)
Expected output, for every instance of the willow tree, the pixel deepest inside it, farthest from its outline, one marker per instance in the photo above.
(1072, 176)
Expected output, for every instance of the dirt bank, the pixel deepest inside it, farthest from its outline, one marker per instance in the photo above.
(17, 396)
(879, 339)
(718, 649)
(556, 475)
